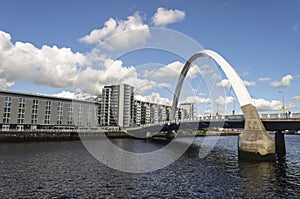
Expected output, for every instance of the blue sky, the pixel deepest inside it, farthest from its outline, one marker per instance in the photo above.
(260, 39)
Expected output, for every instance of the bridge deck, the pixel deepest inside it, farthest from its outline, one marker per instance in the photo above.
(270, 125)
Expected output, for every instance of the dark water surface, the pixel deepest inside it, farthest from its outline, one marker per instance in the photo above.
(67, 170)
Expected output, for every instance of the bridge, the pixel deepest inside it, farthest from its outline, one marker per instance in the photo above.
(273, 125)
(255, 143)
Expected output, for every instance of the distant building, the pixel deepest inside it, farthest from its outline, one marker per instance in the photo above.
(21, 111)
(149, 113)
(117, 105)
(187, 111)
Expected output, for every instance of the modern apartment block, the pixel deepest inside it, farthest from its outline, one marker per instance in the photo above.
(21, 111)
(187, 110)
(119, 108)
(149, 113)
(117, 105)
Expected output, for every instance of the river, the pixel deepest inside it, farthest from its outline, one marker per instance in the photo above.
(67, 170)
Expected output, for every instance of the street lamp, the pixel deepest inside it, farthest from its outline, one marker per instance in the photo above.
(282, 109)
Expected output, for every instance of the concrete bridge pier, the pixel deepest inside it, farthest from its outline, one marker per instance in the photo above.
(280, 144)
(255, 143)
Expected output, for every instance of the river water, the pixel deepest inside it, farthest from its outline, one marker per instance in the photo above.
(67, 170)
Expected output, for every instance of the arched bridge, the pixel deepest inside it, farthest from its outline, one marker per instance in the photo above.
(254, 142)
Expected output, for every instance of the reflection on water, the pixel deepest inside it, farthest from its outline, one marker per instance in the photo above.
(267, 178)
(257, 178)
(66, 169)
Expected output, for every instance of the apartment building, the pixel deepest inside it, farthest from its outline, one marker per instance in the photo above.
(21, 111)
(117, 105)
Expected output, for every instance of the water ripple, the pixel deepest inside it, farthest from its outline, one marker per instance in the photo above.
(67, 170)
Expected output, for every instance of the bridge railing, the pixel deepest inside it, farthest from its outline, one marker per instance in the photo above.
(241, 117)
(279, 115)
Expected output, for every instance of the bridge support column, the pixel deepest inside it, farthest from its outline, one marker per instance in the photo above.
(255, 143)
(280, 144)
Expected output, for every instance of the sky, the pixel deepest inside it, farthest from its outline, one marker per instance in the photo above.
(69, 48)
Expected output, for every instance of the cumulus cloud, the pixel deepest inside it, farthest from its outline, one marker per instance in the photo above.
(4, 84)
(172, 70)
(119, 34)
(249, 84)
(76, 94)
(265, 105)
(162, 16)
(114, 72)
(153, 98)
(225, 83)
(264, 79)
(224, 100)
(284, 82)
(50, 66)
(62, 68)
(196, 99)
(65, 94)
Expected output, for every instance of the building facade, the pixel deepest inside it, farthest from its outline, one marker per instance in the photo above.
(22, 111)
(117, 105)
(119, 108)
(150, 113)
(187, 111)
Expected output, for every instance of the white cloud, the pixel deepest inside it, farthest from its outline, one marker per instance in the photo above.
(162, 17)
(76, 94)
(171, 70)
(65, 94)
(224, 100)
(284, 82)
(153, 98)
(119, 35)
(114, 72)
(5, 43)
(225, 83)
(62, 68)
(50, 66)
(4, 84)
(265, 105)
(264, 79)
(196, 99)
(249, 84)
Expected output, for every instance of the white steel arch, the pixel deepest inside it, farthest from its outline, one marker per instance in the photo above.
(235, 80)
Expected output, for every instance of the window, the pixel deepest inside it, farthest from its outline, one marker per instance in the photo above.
(59, 112)
(89, 115)
(21, 114)
(70, 114)
(7, 110)
(80, 114)
(47, 112)
(34, 111)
